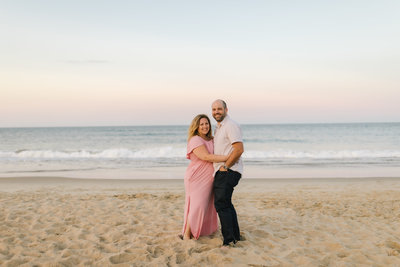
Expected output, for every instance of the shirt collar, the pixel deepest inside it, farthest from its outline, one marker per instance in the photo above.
(223, 121)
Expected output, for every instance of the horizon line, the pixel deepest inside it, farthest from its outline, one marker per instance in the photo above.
(160, 125)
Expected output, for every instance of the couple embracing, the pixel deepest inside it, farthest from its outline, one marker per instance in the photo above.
(215, 169)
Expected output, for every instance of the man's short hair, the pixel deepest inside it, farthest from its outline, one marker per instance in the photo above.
(223, 102)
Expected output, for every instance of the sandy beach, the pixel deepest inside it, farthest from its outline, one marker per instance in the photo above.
(284, 222)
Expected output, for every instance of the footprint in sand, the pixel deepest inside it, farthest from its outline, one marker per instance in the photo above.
(199, 249)
(155, 252)
(259, 234)
(129, 231)
(122, 258)
(16, 262)
(180, 258)
(393, 245)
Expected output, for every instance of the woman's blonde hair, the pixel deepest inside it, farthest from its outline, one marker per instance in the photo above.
(194, 126)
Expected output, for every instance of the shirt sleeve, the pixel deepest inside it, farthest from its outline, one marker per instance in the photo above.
(234, 133)
(193, 143)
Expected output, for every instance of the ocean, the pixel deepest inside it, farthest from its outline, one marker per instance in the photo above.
(136, 152)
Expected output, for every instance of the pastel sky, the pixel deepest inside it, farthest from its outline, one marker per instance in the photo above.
(78, 63)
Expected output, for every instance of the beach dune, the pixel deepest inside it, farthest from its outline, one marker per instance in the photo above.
(284, 222)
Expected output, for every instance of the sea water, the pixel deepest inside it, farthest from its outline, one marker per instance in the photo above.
(134, 152)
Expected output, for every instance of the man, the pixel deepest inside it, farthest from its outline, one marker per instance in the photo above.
(227, 139)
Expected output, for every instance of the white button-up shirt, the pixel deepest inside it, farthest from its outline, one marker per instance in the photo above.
(227, 133)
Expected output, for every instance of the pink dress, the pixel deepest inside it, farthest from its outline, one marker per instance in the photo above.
(199, 201)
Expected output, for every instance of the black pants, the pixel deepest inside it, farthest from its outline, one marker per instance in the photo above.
(224, 182)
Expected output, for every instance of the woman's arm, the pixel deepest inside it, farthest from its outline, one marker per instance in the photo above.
(202, 153)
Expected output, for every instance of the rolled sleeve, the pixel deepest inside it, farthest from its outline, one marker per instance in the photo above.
(234, 133)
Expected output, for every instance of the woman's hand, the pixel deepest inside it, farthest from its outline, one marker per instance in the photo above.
(202, 153)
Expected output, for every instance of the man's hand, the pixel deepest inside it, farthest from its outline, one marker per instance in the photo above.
(222, 169)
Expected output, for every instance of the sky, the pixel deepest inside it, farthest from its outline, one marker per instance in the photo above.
(106, 63)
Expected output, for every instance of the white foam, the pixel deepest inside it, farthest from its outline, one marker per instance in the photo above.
(325, 154)
(180, 152)
(121, 153)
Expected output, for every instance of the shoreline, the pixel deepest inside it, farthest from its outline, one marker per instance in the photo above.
(150, 180)
(250, 172)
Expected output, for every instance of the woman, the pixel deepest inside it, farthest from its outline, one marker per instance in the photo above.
(200, 217)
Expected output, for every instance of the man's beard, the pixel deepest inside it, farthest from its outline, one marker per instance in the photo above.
(222, 117)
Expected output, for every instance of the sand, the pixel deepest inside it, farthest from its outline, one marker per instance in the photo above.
(285, 222)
